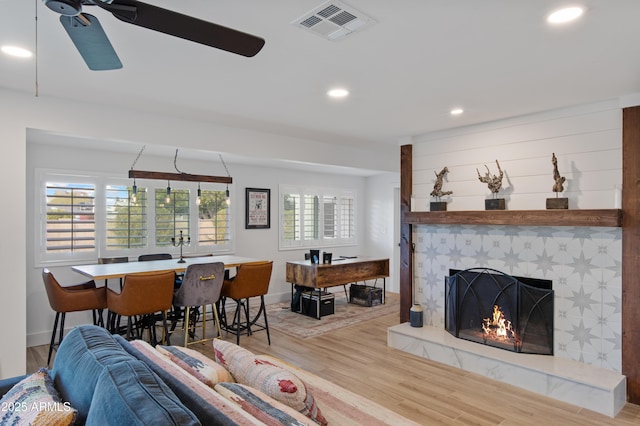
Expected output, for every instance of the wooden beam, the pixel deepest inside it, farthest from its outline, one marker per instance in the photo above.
(406, 232)
(568, 217)
(631, 251)
(139, 174)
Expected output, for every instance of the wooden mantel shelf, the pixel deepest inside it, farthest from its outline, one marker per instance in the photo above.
(601, 217)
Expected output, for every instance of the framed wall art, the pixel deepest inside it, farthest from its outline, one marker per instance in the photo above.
(258, 208)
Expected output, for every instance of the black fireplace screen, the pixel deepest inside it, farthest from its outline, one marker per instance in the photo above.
(489, 307)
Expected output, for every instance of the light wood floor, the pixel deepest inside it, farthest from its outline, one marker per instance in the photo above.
(357, 358)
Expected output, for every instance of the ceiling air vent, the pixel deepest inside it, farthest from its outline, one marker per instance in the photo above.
(333, 20)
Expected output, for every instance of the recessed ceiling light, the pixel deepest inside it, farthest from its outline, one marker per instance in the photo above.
(338, 93)
(16, 51)
(456, 111)
(567, 14)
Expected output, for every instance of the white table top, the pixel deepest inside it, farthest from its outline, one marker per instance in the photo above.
(119, 270)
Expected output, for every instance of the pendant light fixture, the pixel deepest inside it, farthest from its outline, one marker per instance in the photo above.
(134, 193)
(179, 176)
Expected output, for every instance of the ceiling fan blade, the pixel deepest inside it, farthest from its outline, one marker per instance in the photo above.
(183, 26)
(91, 41)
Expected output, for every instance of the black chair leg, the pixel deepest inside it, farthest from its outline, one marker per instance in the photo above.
(98, 318)
(236, 320)
(246, 314)
(53, 337)
(61, 330)
(167, 336)
(129, 328)
(266, 323)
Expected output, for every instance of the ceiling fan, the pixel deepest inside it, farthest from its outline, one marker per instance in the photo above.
(95, 48)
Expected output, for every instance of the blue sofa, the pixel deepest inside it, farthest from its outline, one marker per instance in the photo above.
(107, 385)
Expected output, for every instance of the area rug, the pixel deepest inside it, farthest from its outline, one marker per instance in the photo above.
(301, 326)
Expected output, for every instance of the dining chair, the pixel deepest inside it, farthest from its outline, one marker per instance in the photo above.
(141, 298)
(251, 280)
(154, 256)
(201, 286)
(109, 260)
(74, 298)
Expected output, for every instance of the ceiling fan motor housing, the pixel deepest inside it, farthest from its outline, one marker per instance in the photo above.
(65, 7)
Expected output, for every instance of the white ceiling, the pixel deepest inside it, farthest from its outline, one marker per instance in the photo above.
(494, 58)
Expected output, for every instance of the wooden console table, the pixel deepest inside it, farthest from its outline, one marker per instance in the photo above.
(341, 271)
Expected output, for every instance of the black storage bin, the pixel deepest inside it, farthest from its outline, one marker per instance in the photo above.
(309, 304)
(365, 295)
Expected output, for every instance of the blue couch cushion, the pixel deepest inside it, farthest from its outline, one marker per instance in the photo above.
(129, 393)
(80, 359)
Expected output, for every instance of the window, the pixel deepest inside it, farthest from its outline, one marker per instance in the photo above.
(213, 218)
(330, 210)
(312, 217)
(290, 228)
(126, 217)
(70, 222)
(347, 217)
(172, 215)
(83, 217)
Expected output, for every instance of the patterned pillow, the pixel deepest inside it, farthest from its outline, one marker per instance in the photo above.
(201, 367)
(34, 401)
(261, 406)
(278, 383)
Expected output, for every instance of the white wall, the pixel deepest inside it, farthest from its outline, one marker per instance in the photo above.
(380, 232)
(19, 112)
(587, 141)
(584, 263)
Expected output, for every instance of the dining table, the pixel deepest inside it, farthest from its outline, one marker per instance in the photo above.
(107, 271)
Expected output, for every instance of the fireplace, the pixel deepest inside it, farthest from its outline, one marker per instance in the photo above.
(487, 306)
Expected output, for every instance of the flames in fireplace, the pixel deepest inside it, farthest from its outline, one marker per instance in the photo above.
(498, 327)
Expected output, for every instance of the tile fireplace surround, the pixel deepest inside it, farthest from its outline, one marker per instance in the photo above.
(584, 264)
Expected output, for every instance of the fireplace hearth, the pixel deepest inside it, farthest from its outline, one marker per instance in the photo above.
(490, 307)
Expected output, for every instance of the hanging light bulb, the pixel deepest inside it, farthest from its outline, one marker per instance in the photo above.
(167, 200)
(199, 200)
(134, 192)
(228, 199)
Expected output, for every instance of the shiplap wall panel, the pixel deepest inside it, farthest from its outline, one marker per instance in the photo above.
(588, 146)
(538, 127)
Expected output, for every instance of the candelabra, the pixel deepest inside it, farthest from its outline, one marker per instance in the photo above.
(180, 243)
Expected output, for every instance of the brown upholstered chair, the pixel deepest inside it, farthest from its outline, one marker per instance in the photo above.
(201, 286)
(75, 298)
(251, 280)
(142, 296)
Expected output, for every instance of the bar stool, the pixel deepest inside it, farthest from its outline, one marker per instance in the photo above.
(142, 296)
(201, 286)
(75, 298)
(251, 280)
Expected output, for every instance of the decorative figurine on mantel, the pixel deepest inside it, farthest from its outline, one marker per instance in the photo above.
(438, 193)
(495, 184)
(558, 186)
